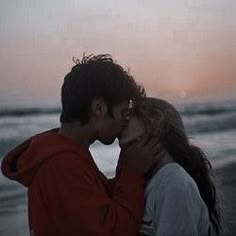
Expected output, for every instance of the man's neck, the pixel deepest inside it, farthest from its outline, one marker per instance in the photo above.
(78, 133)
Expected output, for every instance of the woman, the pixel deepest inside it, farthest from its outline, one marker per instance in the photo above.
(180, 194)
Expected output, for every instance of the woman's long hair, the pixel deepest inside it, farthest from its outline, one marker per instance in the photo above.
(162, 120)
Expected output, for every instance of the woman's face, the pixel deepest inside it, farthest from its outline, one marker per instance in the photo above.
(133, 130)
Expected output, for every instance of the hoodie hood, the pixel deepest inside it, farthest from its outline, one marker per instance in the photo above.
(22, 163)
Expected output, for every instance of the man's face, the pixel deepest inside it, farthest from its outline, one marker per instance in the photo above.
(112, 127)
(133, 130)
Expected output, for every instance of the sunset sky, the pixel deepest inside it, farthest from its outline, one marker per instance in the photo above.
(183, 49)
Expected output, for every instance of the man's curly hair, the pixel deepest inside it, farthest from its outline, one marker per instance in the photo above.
(96, 76)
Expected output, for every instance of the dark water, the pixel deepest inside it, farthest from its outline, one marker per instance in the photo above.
(212, 126)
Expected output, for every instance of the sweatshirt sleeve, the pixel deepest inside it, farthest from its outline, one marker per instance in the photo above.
(85, 208)
(176, 211)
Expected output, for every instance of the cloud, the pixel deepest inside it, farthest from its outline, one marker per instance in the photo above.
(185, 49)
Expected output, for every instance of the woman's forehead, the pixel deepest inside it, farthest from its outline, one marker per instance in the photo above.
(159, 112)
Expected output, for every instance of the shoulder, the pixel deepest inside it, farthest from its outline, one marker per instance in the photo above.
(174, 195)
(172, 178)
(68, 165)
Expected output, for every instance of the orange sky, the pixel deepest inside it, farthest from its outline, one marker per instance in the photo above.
(182, 49)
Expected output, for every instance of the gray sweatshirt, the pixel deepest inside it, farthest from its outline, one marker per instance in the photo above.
(174, 206)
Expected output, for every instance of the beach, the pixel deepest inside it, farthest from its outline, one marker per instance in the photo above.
(226, 184)
(16, 224)
(211, 126)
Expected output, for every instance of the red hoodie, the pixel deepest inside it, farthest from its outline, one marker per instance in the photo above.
(68, 195)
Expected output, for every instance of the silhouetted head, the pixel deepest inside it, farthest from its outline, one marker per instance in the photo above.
(156, 117)
(99, 88)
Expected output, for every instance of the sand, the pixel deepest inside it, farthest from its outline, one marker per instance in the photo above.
(226, 184)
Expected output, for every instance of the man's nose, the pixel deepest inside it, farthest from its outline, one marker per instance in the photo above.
(128, 116)
(125, 123)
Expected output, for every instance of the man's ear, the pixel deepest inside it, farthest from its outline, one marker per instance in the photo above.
(98, 107)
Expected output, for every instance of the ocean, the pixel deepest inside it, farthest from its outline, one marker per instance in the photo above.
(210, 125)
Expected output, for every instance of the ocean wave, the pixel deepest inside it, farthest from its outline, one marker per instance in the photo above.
(207, 109)
(189, 109)
(209, 124)
(28, 112)
(9, 198)
(12, 196)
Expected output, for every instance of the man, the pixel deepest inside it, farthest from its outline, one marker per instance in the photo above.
(67, 194)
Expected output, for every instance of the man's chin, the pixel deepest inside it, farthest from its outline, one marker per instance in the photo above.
(127, 141)
(123, 142)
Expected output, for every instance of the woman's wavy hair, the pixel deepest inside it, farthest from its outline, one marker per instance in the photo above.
(162, 120)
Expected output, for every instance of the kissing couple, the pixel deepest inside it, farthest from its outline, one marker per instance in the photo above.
(163, 184)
